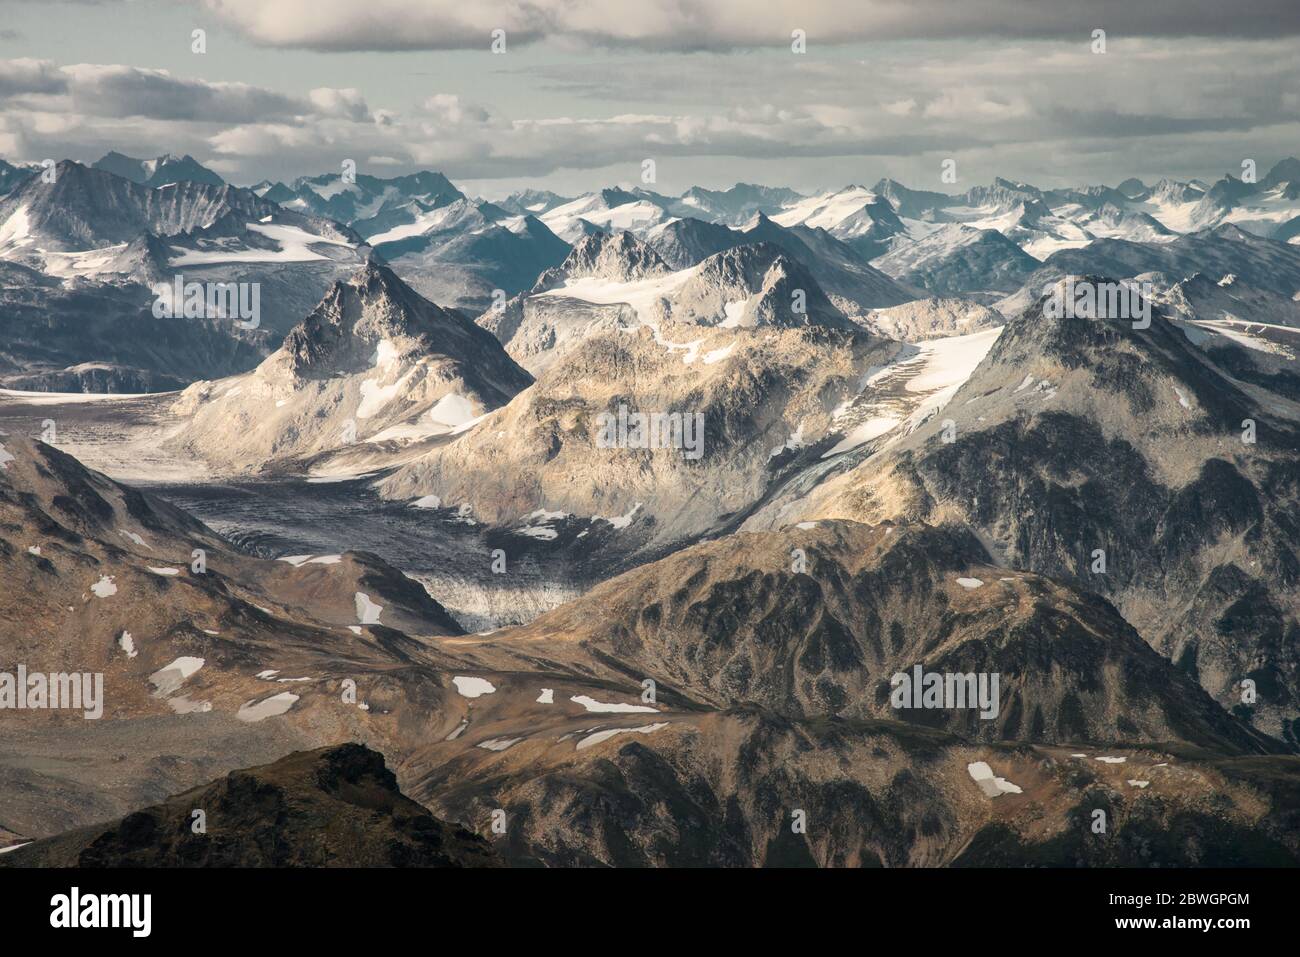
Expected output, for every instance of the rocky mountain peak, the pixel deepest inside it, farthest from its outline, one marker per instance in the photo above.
(372, 312)
(1283, 171)
(616, 256)
(756, 284)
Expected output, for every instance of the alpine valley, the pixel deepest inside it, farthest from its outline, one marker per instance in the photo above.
(384, 509)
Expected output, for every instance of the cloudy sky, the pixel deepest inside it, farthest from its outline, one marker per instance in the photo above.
(586, 90)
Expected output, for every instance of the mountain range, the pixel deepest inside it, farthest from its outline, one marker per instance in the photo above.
(601, 530)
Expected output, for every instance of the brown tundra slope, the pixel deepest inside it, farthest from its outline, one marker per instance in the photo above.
(766, 740)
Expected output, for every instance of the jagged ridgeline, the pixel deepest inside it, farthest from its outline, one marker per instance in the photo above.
(881, 526)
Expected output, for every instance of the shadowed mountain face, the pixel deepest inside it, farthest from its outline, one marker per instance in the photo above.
(684, 242)
(725, 789)
(11, 175)
(333, 807)
(1266, 268)
(103, 337)
(839, 269)
(84, 208)
(86, 257)
(957, 259)
(463, 253)
(367, 196)
(163, 171)
(1131, 463)
(818, 621)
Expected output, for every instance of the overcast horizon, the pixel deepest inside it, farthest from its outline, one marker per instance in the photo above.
(713, 93)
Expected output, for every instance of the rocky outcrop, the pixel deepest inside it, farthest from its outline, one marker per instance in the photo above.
(332, 807)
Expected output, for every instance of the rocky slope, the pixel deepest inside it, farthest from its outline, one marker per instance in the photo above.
(721, 344)
(462, 253)
(816, 620)
(764, 397)
(747, 788)
(374, 362)
(615, 256)
(958, 259)
(332, 807)
(749, 755)
(931, 318)
(612, 282)
(211, 659)
(1076, 435)
(549, 723)
(751, 286)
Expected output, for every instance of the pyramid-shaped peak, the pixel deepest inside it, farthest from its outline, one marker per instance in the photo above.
(617, 256)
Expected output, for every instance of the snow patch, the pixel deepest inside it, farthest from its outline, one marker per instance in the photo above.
(104, 587)
(870, 429)
(620, 521)
(470, 687)
(132, 536)
(277, 704)
(297, 561)
(599, 736)
(591, 704)
(367, 610)
(170, 677)
(990, 784)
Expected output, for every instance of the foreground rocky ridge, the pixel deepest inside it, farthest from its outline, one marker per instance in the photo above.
(333, 807)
